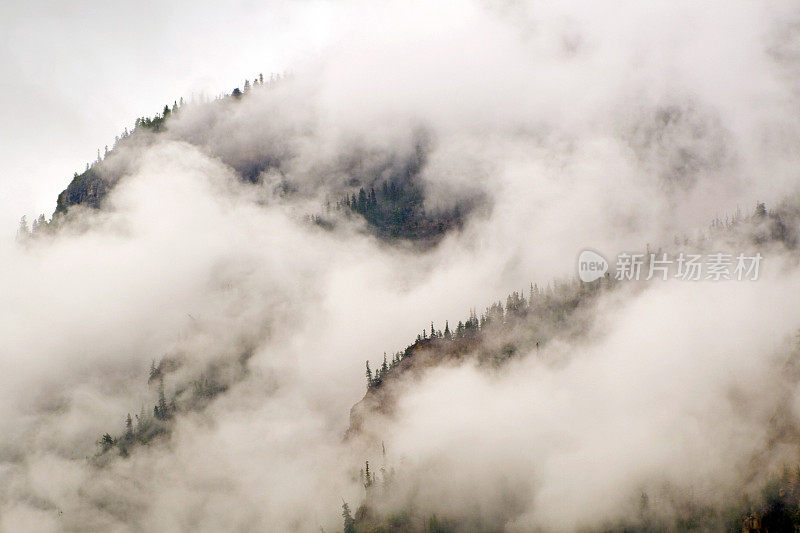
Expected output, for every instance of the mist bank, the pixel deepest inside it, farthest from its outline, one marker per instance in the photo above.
(212, 253)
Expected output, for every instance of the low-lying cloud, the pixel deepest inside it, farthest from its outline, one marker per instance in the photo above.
(572, 125)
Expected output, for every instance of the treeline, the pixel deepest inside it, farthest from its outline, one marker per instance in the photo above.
(90, 187)
(156, 122)
(538, 315)
(147, 426)
(390, 200)
(761, 226)
(194, 395)
(555, 303)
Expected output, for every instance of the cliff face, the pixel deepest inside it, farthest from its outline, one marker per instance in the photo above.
(88, 189)
(419, 357)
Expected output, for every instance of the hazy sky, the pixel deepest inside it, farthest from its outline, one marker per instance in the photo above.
(75, 74)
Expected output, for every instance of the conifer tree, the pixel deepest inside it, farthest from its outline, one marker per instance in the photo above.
(40, 222)
(362, 201)
(384, 366)
(23, 232)
(369, 376)
(162, 408)
(349, 522)
(107, 441)
(368, 477)
(141, 420)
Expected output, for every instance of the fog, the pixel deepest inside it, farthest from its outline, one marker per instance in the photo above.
(568, 125)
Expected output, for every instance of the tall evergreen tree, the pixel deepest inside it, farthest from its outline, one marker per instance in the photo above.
(23, 232)
(349, 522)
(141, 420)
(369, 478)
(162, 407)
(384, 366)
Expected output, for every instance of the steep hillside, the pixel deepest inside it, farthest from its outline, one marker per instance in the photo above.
(382, 187)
